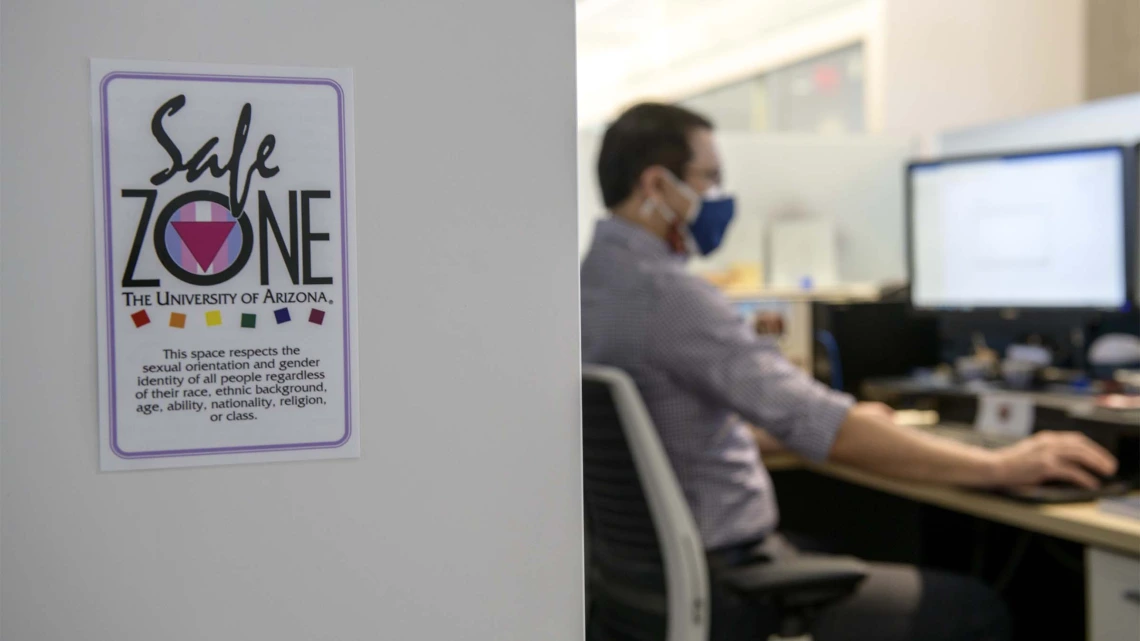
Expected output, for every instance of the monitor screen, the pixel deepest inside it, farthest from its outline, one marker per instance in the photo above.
(1041, 230)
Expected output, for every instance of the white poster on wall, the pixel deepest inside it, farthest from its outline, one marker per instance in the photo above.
(225, 263)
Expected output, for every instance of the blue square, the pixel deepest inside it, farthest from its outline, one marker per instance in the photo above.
(282, 315)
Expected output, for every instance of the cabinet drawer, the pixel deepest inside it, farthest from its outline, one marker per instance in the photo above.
(1113, 584)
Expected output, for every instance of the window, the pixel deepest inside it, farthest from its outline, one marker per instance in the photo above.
(820, 95)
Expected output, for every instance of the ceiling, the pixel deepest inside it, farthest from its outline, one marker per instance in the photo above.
(627, 43)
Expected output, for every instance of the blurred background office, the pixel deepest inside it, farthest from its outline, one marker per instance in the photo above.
(939, 201)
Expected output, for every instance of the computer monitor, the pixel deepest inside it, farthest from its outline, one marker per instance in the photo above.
(1022, 230)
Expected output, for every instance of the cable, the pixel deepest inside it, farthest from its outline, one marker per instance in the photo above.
(978, 562)
(1011, 564)
(1062, 557)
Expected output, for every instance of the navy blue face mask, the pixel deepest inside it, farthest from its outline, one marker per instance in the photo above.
(708, 216)
(708, 227)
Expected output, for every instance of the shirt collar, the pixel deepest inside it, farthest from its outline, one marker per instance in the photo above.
(635, 238)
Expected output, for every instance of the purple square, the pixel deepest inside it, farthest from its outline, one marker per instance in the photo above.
(282, 315)
(316, 317)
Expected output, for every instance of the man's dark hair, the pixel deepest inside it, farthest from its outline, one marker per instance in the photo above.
(645, 135)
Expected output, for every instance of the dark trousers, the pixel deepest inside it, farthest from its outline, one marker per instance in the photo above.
(895, 603)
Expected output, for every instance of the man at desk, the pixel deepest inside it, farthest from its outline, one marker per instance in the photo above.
(703, 372)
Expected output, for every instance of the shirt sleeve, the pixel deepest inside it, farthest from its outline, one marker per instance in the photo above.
(703, 345)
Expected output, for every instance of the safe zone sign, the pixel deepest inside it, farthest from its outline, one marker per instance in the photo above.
(225, 263)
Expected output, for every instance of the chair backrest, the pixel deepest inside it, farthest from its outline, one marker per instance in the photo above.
(643, 542)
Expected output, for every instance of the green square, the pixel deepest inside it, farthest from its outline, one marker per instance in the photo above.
(249, 320)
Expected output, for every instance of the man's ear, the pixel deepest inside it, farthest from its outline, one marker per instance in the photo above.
(652, 182)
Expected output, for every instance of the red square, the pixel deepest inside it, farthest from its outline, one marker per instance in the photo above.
(316, 317)
(140, 318)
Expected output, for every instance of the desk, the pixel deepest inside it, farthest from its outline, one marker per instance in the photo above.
(1082, 523)
(1112, 543)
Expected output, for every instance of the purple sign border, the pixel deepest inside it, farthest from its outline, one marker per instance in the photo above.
(108, 250)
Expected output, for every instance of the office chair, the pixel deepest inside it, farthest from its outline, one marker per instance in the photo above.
(648, 577)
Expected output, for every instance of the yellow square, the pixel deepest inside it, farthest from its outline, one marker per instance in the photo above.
(177, 320)
(214, 318)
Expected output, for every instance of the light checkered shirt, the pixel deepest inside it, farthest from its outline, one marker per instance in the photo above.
(700, 368)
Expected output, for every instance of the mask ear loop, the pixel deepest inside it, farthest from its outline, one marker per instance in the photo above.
(675, 237)
(692, 196)
(647, 209)
(679, 240)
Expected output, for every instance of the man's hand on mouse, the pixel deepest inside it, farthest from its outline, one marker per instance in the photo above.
(1054, 456)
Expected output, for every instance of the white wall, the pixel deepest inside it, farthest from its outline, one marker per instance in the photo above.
(462, 520)
(591, 208)
(949, 65)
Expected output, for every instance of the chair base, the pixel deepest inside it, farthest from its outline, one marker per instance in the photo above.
(797, 589)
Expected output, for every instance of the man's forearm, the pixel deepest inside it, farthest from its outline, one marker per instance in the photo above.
(871, 441)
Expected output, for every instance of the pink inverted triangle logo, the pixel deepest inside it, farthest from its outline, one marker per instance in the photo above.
(203, 238)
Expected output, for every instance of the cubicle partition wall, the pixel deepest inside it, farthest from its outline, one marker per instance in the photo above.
(1112, 120)
(462, 517)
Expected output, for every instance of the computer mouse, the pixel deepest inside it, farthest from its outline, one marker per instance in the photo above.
(1105, 482)
(1068, 492)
